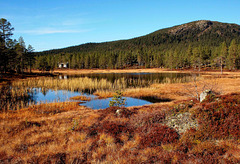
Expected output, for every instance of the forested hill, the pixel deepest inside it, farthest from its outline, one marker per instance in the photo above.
(195, 44)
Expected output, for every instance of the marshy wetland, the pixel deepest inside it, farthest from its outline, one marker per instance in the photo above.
(178, 130)
(97, 87)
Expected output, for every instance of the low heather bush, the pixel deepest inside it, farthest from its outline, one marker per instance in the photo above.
(157, 134)
(220, 119)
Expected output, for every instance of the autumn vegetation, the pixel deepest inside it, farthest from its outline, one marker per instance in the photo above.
(68, 133)
(81, 98)
(180, 131)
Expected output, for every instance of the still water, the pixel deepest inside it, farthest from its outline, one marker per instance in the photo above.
(61, 88)
(63, 95)
(104, 103)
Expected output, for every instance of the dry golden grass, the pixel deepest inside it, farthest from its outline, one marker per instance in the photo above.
(181, 91)
(76, 84)
(102, 94)
(150, 70)
(82, 98)
(40, 130)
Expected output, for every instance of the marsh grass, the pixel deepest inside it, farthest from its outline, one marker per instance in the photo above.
(14, 98)
(81, 98)
(80, 84)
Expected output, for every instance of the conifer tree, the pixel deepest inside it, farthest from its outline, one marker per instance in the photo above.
(5, 30)
(232, 55)
(223, 55)
(5, 35)
(30, 57)
(20, 50)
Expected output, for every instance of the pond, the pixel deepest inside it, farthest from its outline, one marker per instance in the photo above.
(134, 79)
(60, 88)
(104, 103)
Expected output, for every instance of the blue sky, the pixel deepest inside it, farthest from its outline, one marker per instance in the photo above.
(50, 24)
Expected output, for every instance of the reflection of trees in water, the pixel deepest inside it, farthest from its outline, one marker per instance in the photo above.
(15, 98)
(137, 79)
(111, 82)
(44, 91)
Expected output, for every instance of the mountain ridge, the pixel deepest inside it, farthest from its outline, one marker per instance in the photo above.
(186, 45)
(174, 30)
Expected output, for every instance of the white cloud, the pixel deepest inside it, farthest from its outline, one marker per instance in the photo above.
(44, 31)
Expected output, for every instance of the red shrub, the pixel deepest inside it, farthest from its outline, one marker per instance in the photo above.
(112, 128)
(146, 119)
(157, 134)
(220, 119)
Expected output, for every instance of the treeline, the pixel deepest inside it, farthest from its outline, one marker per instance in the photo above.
(14, 55)
(194, 45)
(222, 56)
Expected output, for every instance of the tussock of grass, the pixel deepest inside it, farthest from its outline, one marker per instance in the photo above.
(102, 94)
(82, 98)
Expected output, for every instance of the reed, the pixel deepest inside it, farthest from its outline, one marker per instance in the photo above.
(77, 84)
(14, 98)
(93, 84)
(102, 94)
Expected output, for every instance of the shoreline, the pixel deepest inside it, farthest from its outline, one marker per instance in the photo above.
(140, 70)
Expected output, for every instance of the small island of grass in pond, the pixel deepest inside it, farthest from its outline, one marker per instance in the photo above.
(81, 98)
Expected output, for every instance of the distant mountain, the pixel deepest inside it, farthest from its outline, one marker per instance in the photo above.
(203, 34)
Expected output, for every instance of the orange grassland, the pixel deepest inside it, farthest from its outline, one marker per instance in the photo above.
(180, 131)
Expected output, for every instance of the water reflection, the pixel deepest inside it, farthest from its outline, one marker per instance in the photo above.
(15, 98)
(58, 89)
(104, 103)
(63, 76)
(137, 79)
(41, 95)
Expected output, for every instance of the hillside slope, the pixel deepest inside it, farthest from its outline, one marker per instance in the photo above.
(204, 35)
